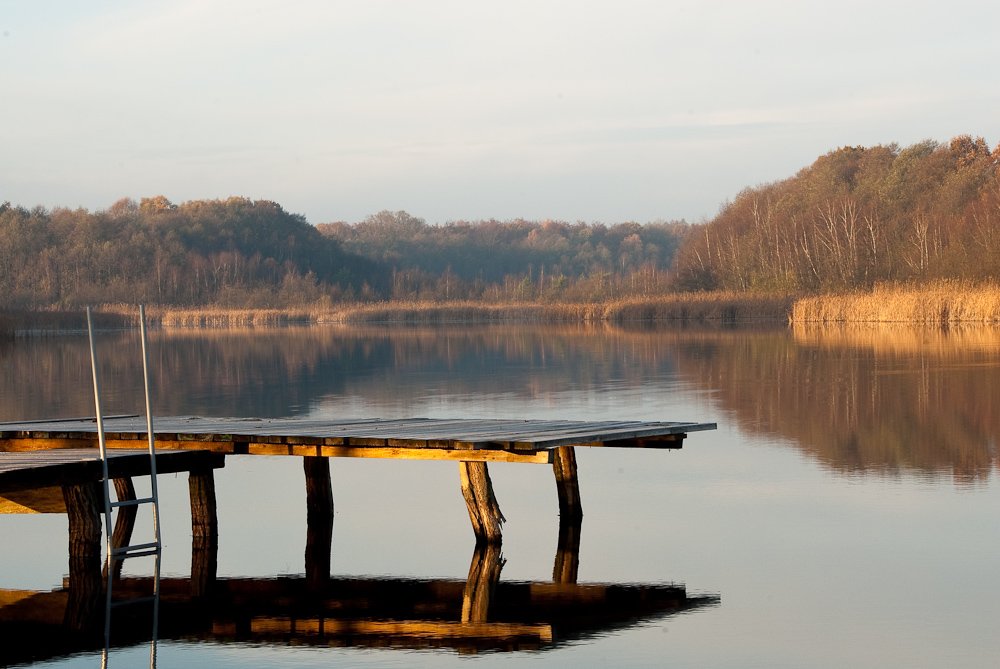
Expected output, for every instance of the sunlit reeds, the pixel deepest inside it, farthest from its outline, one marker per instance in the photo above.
(214, 317)
(729, 307)
(937, 303)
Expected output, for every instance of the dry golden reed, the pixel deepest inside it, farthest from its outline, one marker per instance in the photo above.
(733, 307)
(938, 303)
(728, 307)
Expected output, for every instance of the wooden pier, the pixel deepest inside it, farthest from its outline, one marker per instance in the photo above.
(472, 443)
(64, 454)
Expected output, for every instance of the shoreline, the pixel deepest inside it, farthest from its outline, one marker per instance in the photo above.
(938, 304)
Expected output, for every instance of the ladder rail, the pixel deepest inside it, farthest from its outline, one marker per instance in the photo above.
(100, 426)
(153, 548)
(149, 425)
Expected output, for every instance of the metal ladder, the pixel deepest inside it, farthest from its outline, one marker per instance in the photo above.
(115, 554)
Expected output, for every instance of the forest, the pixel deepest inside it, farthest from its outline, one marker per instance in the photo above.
(239, 253)
(514, 260)
(226, 252)
(856, 218)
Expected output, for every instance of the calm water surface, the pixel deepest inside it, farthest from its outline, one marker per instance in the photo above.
(846, 512)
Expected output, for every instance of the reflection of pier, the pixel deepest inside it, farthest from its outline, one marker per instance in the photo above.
(475, 615)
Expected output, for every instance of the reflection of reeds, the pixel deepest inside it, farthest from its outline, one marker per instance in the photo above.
(900, 338)
(13, 323)
(941, 302)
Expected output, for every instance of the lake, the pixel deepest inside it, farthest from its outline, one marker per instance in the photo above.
(845, 513)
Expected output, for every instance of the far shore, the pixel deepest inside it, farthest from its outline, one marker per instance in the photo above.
(937, 304)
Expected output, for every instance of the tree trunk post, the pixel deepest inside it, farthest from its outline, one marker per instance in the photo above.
(319, 520)
(204, 531)
(84, 504)
(484, 511)
(567, 484)
(124, 521)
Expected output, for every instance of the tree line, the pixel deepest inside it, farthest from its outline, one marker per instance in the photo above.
(234, 252)
(855, 217)
(241, 253)
(518, 259)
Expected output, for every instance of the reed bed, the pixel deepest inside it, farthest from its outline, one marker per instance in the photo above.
(717, 307)
(727, 307)
(214, 317)
(935, 304)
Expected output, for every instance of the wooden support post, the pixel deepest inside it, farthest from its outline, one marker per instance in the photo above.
(319, 520)
(125, 520)
(484, 512)
(484, 573)
(567, 484)
(204, 531)
(84, 503)
(567, 562)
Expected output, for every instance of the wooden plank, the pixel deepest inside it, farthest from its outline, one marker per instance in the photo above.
(534, 457)
(38, 469)
(36, 500)
(235, 435)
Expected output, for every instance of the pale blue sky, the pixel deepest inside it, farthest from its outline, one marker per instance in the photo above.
(594, 111)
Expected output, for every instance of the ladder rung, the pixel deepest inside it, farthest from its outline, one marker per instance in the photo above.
(129, 550)
(133, 502)
(152, 551)
(134, 600)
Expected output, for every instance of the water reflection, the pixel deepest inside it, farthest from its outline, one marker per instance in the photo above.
(479, 614)
(856, 399)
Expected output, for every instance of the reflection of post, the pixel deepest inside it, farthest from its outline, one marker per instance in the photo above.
(84, 503)
(125, 521)
(568, 551)
(319, 520)
(204, 531)
(484, 512)
(484, 573)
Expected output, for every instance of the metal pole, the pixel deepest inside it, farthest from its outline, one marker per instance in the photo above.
(104, 469)
(149, 426)
(156, 612)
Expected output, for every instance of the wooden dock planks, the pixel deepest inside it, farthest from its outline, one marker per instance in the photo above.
(28, 470)
(411, 438)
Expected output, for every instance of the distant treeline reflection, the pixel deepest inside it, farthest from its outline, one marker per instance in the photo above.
(857, 399)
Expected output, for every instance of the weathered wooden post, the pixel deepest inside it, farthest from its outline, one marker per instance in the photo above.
(204, 531)
(484, 512)
(124, 522)
(84, 506)
(567, 484)
(319, 520)
(484, 573)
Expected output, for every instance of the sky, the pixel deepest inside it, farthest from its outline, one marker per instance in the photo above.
(591, 111)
